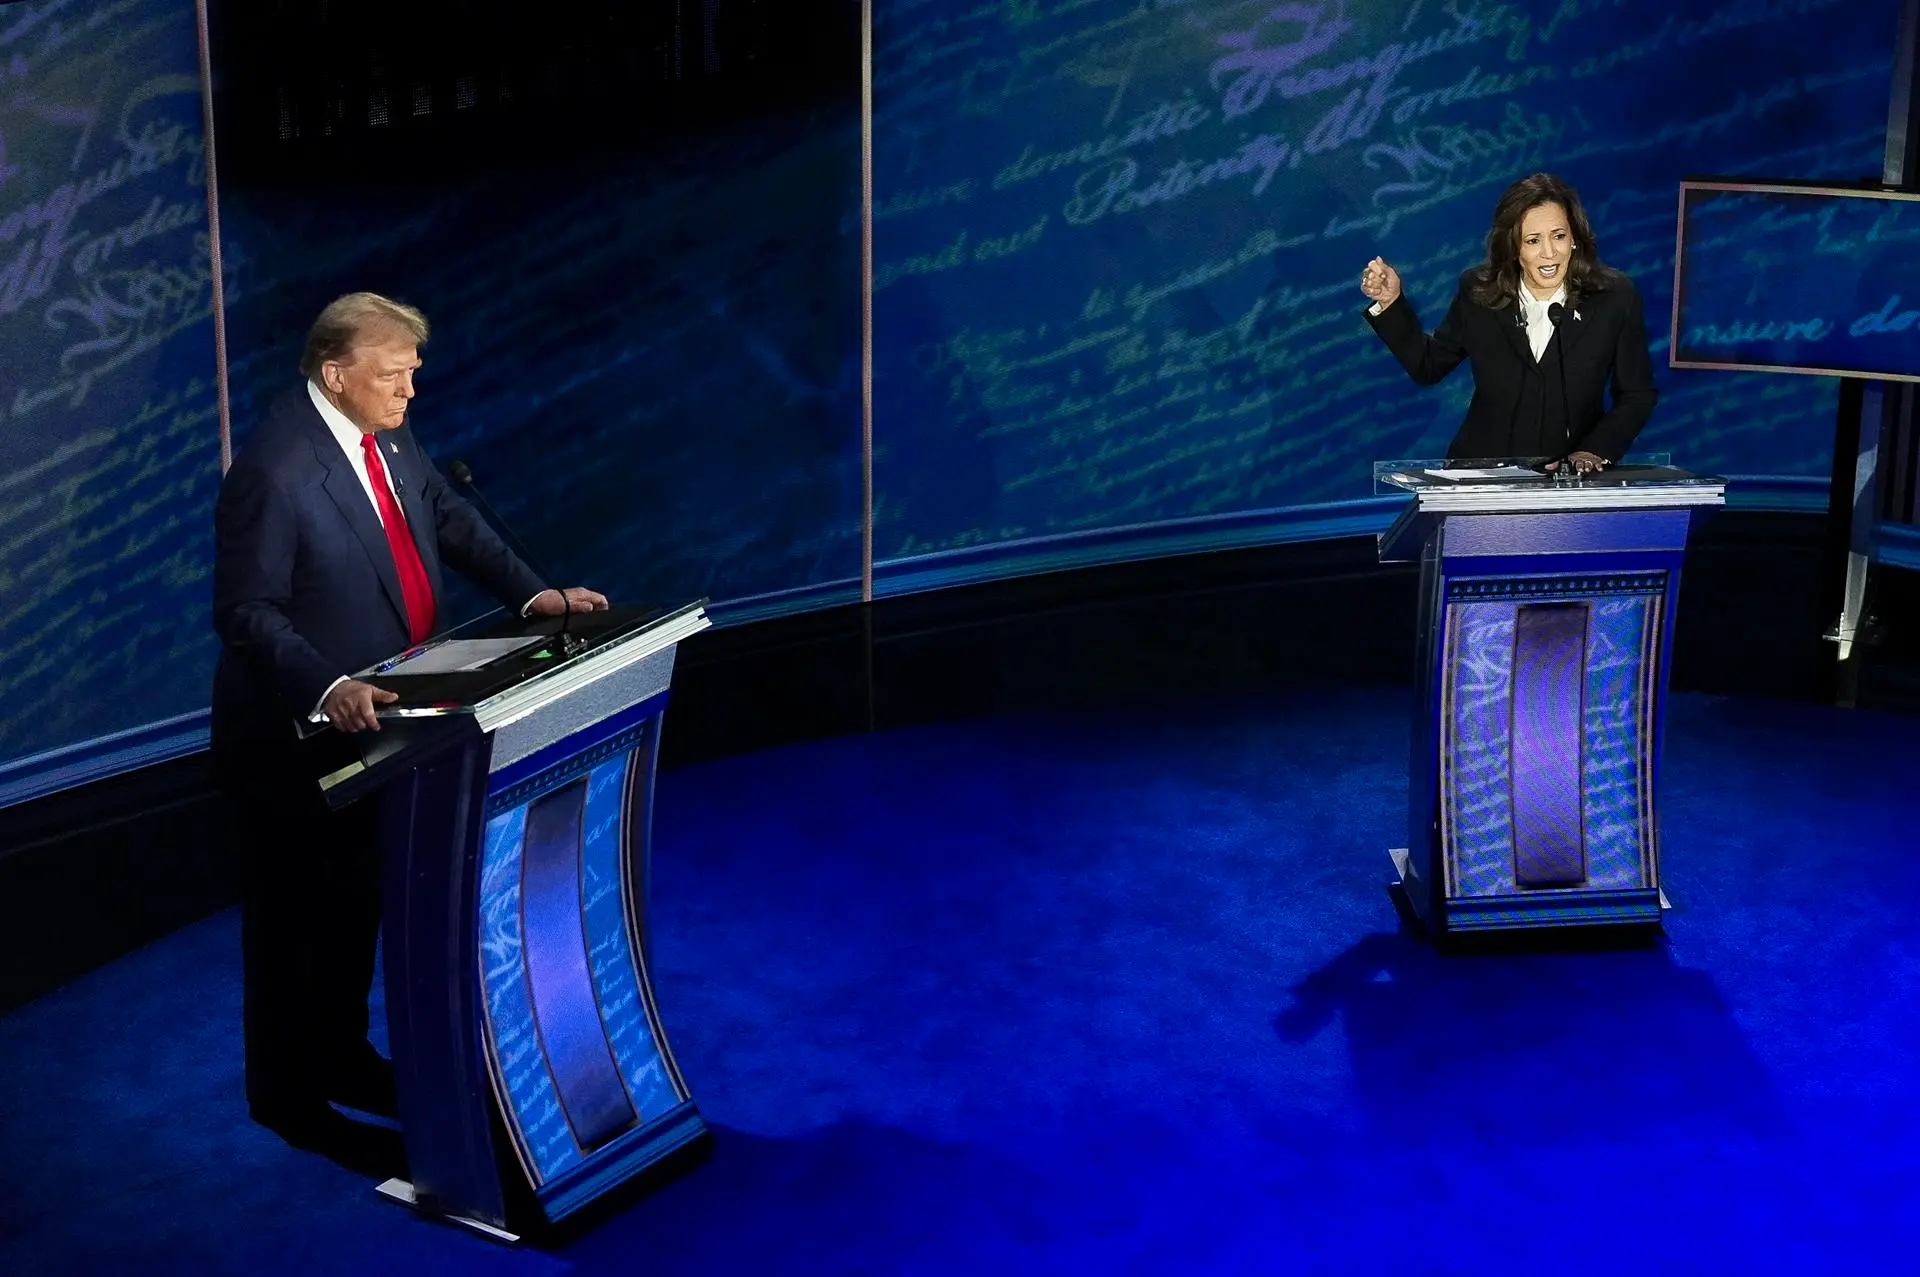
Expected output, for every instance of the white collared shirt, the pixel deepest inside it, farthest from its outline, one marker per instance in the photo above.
(1539, 327)
(348, 436)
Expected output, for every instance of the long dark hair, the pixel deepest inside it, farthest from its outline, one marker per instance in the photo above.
(1497, 282)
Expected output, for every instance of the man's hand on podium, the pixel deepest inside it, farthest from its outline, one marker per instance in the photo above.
(575, 598)
(349, 706)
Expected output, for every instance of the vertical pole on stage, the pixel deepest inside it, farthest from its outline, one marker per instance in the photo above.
(866, 301)
(1903, 132)
(1871, 412)
(216, 269)
(866, 353)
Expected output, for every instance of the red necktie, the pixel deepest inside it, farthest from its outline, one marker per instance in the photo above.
(406, 556)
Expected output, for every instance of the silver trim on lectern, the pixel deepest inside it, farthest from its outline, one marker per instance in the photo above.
(612, 677)
(1490, 500)
(518, 702)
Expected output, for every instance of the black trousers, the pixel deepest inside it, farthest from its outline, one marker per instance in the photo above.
(309, 921)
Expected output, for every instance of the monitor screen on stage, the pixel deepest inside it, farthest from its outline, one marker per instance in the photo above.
(1780, 277)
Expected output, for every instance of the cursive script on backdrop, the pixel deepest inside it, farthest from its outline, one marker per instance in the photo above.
(108, 427)
(1185, 193)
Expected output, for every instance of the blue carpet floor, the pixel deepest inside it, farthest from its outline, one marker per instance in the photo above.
(1123, 994)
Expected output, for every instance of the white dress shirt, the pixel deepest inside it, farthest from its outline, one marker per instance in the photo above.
(1539, 327)
(349, 435)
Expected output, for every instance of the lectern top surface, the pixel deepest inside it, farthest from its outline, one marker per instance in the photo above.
(500, 652)
(1527, 474)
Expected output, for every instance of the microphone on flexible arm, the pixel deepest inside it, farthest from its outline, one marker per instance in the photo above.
(1557, 315)
(1527, 367)
(461, 473)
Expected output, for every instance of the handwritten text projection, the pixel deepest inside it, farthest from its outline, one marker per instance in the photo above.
(1118, 242)
(1790, 280)
(109, 442)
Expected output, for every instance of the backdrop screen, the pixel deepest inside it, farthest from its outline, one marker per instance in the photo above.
(1118, 245)
(1820, 281)
(1114, 290)
(109, 438)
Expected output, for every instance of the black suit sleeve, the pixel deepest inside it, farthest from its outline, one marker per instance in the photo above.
(1633, 389)
(472, 548)
(256, 540)
(1427, 358)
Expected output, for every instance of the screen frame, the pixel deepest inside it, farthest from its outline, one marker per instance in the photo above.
(1865, 190)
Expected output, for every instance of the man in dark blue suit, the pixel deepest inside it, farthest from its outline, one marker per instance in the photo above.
(332, 533)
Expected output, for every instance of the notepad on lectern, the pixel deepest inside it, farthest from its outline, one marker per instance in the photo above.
(457, 656)
(1487, 472)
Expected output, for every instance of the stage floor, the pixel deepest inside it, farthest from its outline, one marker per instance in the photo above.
(1124, 993)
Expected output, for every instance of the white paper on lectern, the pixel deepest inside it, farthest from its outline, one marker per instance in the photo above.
(456, 656)
(1488, 472)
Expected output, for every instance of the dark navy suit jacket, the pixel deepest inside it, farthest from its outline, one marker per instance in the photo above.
(1518, 407)
(304, 587)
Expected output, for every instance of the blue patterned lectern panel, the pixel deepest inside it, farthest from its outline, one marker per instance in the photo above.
(571, 1028)
(1618, 669)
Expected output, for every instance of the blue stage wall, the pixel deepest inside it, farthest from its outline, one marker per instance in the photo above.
(1114, 303)
(109, 437)
(1118, 244)
(647, 347)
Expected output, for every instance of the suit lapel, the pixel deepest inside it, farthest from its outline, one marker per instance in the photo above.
(1568, 333)
(1516, 335)
(1575, 324)
(343, 486)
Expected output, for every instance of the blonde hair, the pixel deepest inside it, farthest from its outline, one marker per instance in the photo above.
(346, 319)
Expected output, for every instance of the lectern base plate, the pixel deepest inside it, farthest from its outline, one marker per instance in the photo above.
(1545, 911)
(401, 1191)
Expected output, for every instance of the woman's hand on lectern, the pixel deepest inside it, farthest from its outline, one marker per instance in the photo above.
(1581, 463)
(1380, 282)
(575, 598)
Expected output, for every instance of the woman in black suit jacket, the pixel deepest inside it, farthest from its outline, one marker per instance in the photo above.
(1548, 329)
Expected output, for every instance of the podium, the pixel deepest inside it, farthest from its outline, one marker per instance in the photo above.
(1543, 636)
(514, 777)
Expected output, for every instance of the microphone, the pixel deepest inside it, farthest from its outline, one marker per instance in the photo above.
(1526, 369)
(1556, 315)
(461, 473)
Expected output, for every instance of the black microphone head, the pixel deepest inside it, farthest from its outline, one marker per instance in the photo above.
(458, 472)
(1555, 313)
(1519, 315)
